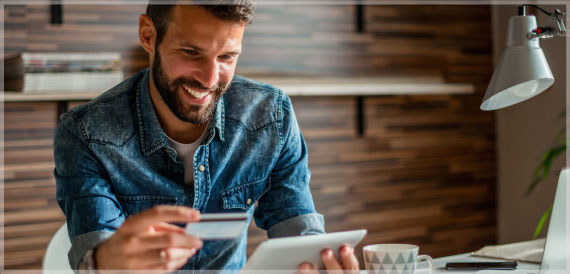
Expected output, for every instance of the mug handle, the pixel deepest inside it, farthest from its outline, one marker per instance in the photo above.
(429, 260)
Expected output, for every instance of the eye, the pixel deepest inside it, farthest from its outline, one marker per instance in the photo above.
(190, 52)
(227, 57)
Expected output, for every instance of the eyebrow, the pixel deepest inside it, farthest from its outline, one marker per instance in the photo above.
(187, 45)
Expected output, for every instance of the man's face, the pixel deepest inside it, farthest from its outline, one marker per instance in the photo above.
(195, 62)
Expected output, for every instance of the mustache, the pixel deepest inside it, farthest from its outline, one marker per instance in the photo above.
(194, 84)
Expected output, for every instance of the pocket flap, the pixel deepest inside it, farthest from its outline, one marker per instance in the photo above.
(246, 195)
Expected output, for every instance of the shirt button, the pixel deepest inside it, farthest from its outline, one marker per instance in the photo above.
(201, 168)
(248, 202)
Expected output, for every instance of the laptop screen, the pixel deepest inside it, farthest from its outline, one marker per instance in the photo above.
(556, 257)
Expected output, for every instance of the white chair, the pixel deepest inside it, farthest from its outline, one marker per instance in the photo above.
(55, 259)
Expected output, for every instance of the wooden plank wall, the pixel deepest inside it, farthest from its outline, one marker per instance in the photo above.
(31, 213)
(423, 173)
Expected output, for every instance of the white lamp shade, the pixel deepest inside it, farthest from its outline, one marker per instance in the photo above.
(522, 71)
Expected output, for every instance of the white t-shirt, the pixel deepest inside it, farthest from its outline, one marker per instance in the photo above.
(185, 153)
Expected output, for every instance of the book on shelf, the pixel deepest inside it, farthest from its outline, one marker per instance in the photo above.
(71, 72)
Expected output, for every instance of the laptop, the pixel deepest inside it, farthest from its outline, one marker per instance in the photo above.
(556, 256)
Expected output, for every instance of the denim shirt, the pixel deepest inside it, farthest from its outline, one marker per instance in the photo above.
(113, 160)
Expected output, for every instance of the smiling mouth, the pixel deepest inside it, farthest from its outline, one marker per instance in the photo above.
(195, 93)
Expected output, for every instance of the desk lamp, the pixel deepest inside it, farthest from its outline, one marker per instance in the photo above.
(522, 71)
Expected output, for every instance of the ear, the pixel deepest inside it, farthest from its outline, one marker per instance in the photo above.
(147, 34)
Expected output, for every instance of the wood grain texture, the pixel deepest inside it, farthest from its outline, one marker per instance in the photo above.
(31, 213)
(423, 173)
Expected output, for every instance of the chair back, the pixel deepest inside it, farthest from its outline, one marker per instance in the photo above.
(55, 259)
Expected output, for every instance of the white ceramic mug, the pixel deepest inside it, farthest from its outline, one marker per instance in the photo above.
(393, 258)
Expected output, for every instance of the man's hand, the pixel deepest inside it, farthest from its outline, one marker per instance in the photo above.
(347, 264)
(147, 241)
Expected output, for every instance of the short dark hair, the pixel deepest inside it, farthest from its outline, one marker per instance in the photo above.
(231, 10)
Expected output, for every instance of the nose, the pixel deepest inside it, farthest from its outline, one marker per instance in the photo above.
(208, 73)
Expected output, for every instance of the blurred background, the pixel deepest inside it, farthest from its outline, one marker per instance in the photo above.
(427, 169)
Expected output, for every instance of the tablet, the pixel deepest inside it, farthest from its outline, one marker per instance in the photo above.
(287, 253)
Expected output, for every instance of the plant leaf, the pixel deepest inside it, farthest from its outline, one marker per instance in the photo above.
(562, 113)
(532, 185)
(541, 223)
(543, 169)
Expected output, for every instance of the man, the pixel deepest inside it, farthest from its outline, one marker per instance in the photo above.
(182, 138)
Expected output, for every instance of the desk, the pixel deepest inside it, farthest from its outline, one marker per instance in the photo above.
(422, 268)
(522, 268)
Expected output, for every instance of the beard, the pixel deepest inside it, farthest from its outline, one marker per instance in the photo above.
(168, 90)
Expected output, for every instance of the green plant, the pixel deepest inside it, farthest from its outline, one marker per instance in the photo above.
(543, 170)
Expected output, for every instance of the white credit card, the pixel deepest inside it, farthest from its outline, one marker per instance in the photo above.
(216, 226)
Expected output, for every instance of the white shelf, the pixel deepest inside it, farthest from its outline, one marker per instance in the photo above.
(298, 87)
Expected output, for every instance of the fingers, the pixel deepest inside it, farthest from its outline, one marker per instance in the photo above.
(177, 254)
(329, 260)
(162, 240)
(138, 242)
(348, 260)
(158, 214)
(307, 268)
(167, 227)
(174, 265)
(170, 258)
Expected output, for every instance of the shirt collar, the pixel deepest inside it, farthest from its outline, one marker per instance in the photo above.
(152, 136)
(220, 118)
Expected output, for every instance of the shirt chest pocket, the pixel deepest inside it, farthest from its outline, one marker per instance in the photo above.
(135, 204)
(243, 197)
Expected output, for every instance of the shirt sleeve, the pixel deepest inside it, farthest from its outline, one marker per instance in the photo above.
(287, 208)
(84, 194)
(308, 224)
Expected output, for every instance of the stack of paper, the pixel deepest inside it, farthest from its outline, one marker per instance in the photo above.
(529, 251)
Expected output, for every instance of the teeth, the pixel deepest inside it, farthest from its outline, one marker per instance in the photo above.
(194, 93)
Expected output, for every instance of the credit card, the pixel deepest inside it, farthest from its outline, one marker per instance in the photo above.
(216, 226)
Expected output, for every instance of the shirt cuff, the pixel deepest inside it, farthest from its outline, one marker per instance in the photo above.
(307, 224)
(83, 243)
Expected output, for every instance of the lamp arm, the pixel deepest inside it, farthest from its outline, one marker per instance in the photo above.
(549, 31)
(522, 9)
(561, 27)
